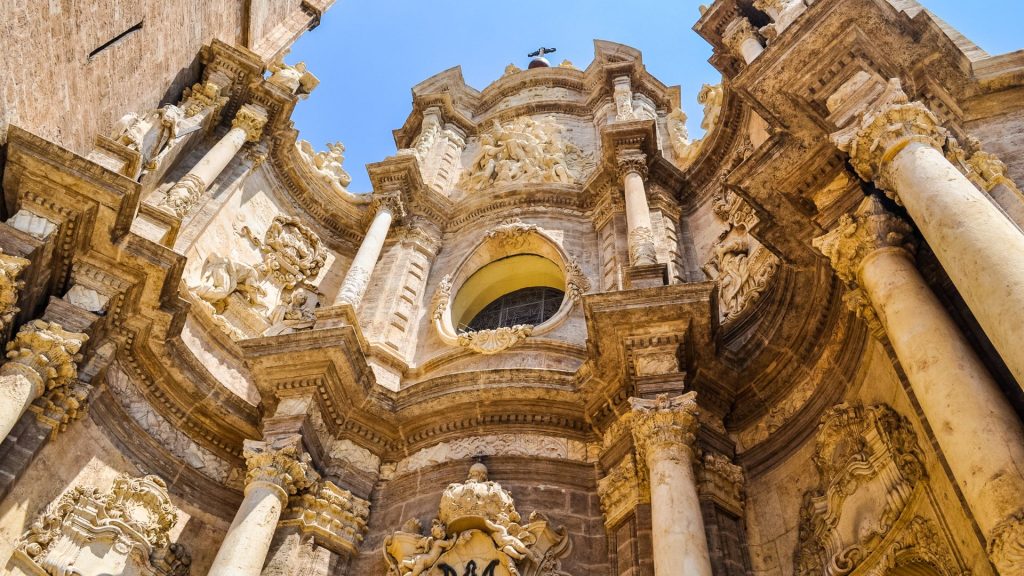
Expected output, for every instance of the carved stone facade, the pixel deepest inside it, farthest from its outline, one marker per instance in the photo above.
(783, 344)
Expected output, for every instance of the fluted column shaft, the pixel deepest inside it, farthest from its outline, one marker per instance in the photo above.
(898, 145)
(664, 431)
(979, 434)
(274, 472)
(633, 170)
(359, 272)
(41, 357)
(247, 126)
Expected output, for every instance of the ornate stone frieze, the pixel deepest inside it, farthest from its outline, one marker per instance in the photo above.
(251, 119)
(124, 530)
(871, 227)
(869, 465)
(331, 515)
(919, 544)
(723, 482)
(531, 445)
(621, 491)
(991, 170)
(44, 353)
(496, 340)
(280, 463)
(478, 529)
(887, 126)
(10, 268)
(1006, 545)
(664, 423)
(511, 233)
(525, 151)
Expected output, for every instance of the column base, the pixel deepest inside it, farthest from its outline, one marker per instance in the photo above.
(646, 276)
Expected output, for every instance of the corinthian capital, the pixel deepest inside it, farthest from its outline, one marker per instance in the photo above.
(10, 269)
(664, 423)
(871, 227)
(44, 353)
(631, 163)
(391, 202)
(252, 119)
(282, 464)
(737, 32)
(885, 128)
(1006, 544)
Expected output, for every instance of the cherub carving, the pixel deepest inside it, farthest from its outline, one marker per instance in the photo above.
(221, 277)
(433, 546)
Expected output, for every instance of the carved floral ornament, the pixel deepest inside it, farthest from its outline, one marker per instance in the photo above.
(870, 468)
(125, 529)
(479, 532)
(46, 354)
(510, 237)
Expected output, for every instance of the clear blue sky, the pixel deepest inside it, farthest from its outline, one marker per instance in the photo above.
(369, 54)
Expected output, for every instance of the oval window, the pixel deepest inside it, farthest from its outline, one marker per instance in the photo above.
(521, 289)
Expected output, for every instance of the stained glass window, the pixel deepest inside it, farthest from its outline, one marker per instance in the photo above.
(526, 306)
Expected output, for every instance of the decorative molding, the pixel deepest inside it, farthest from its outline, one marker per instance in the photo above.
(723, 482)
(292, 252)
(511, 233)
(621, 491)
(531, 445)
(181, 197)
(737, 32)
(496, 340)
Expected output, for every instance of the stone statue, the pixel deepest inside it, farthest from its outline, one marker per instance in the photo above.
(150, 134)
(711, 97)
(296, 79)
(221, 277)
(296, 312)
(328, 166)
(685, 150)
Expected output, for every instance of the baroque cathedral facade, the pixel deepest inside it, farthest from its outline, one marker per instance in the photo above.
(559, 337)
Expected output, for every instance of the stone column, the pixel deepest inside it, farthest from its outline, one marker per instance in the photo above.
(741, 37)
(979, 433)
(384, 209)
(664, 431)
(898, 145)
(633, 171)
(41, 357)
(275, 471)
(246, 127)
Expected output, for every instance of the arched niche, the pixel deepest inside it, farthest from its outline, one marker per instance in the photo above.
(510, 257)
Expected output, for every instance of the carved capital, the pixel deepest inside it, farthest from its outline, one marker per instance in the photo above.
(181, 197)
(631, 163)
(281, 464)
(10, 268)
(870, 228)
(886, 128)
(202, 96)
(251, 119)
(723, 482)
(664, 423)
(392, 203)
(332, 516)
(621, 490)
(737, 32)
(44, 353)
(1006, 544)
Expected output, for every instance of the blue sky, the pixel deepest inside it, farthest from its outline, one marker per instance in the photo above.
(369, 54)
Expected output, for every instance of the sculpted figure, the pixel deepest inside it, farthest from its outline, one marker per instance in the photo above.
(734, 273)
(297, 312)
(150, 133)
(711, 97)
(222, 277)
(433, 546)
(296, 79)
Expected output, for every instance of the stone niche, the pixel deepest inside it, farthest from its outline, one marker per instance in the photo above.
(477, 532)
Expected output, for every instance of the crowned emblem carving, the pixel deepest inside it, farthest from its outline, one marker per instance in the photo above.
(292, 253)
(525, 151)
(124, 530)
(478, 532)
(869, 465)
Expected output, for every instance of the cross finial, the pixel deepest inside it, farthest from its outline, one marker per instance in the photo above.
(541, 52)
